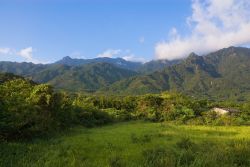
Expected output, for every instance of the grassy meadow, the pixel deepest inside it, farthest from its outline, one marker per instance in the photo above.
(134, 144)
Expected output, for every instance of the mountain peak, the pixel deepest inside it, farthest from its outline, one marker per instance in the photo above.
(119, 62)
(193, 58)
(192, 54)
(67, 58)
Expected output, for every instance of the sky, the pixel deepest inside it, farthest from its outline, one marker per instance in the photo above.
(44, 31)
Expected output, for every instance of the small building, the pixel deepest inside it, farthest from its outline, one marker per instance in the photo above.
(223, 111)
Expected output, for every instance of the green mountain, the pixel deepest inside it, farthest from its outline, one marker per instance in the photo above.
(156, 65)
(147, 67)
(221, 74)
(118, 62)
(84, 78)
(23, 69)
(88, 77)
(81, 74)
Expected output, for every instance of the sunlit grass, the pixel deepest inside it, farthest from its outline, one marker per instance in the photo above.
(135, 144)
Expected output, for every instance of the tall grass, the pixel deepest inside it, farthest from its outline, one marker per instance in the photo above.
(135, 144)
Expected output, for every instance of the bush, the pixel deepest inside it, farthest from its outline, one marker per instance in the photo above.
(119, 115)
(179, 113)
(25, 110)
(90, 116)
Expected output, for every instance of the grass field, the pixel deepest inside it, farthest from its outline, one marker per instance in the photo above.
(134, 144)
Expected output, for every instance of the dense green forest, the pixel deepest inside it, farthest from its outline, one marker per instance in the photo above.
(29, 109)
(219, 75)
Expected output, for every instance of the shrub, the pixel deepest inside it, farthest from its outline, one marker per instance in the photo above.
(25, 110)
(90, 116)
(179, 113)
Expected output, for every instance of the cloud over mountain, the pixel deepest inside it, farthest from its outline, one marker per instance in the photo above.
(110, 53)
(214, 24)
(26, 54)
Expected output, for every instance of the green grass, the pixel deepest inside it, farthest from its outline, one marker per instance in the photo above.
(134, 144)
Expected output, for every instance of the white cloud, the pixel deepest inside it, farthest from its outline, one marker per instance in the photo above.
(125, 54)
(110, 53)
(132, 57)
(77, 55)
(26, 53)
(214, 24)
(5, 51)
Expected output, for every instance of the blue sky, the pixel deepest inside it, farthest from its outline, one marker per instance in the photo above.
(55, 29)
(43, 31)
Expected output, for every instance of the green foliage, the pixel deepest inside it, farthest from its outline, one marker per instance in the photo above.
(90, 116)
(20, 116)
(167, 106)
(181, 113)
(28, 110)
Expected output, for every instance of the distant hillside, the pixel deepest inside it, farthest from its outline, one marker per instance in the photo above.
(221, 74)
(81, 74)
(84, 78)
(23, 69)
(156, 65)
(119, 62)
(148, 67)
(88, 77)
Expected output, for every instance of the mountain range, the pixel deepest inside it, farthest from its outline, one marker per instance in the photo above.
(140, 67)
(221, 74)
(87, 75)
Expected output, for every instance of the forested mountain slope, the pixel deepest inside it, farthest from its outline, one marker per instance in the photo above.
(224, 73)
